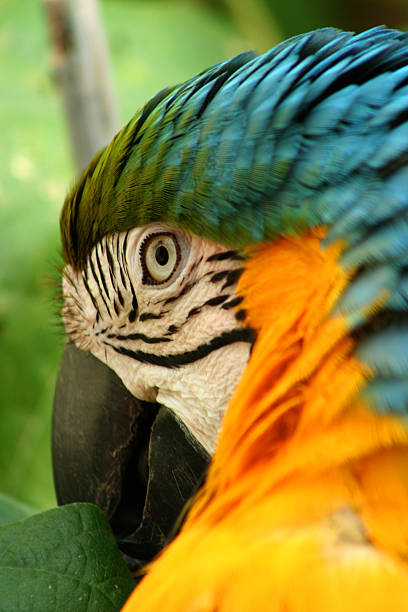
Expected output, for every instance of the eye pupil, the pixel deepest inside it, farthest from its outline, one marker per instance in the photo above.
(162, 255)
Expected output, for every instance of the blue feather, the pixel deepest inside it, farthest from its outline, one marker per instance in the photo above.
(388, 243)
(330, 112)
(399, 299)
(390, 112)
(394, 144)
(386, 352)
(364, 293)
(387, 396)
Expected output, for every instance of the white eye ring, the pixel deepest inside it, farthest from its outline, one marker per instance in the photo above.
(160, 257)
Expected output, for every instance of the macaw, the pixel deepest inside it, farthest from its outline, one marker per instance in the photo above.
(246, 234)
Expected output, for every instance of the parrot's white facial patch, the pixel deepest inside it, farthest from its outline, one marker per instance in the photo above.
(159, 307)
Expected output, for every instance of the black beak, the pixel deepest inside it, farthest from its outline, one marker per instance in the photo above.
(133, 459)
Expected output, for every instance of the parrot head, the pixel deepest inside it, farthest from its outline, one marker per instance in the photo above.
(157, 231)
(156, 342)
(156, 348)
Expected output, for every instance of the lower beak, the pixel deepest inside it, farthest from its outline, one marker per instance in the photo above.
(133, 459)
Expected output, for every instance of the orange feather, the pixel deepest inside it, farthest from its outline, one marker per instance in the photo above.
(305, 506)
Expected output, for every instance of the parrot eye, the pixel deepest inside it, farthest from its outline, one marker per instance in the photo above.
(160, 256)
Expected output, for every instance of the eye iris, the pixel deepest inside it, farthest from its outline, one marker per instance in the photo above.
(162, 255)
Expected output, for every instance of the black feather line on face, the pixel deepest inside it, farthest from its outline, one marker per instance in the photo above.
(233, 255)
(140, 336)
(232, 303)
(100, 293)
(180, 359)
(101, 274)
(147, 316)
(232, 278)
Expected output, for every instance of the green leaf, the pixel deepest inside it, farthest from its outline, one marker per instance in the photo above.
(65, 559)
(12, 510)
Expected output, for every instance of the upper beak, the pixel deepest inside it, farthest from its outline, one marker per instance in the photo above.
(133, 459)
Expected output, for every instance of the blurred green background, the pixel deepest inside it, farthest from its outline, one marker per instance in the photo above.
(153, 43)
